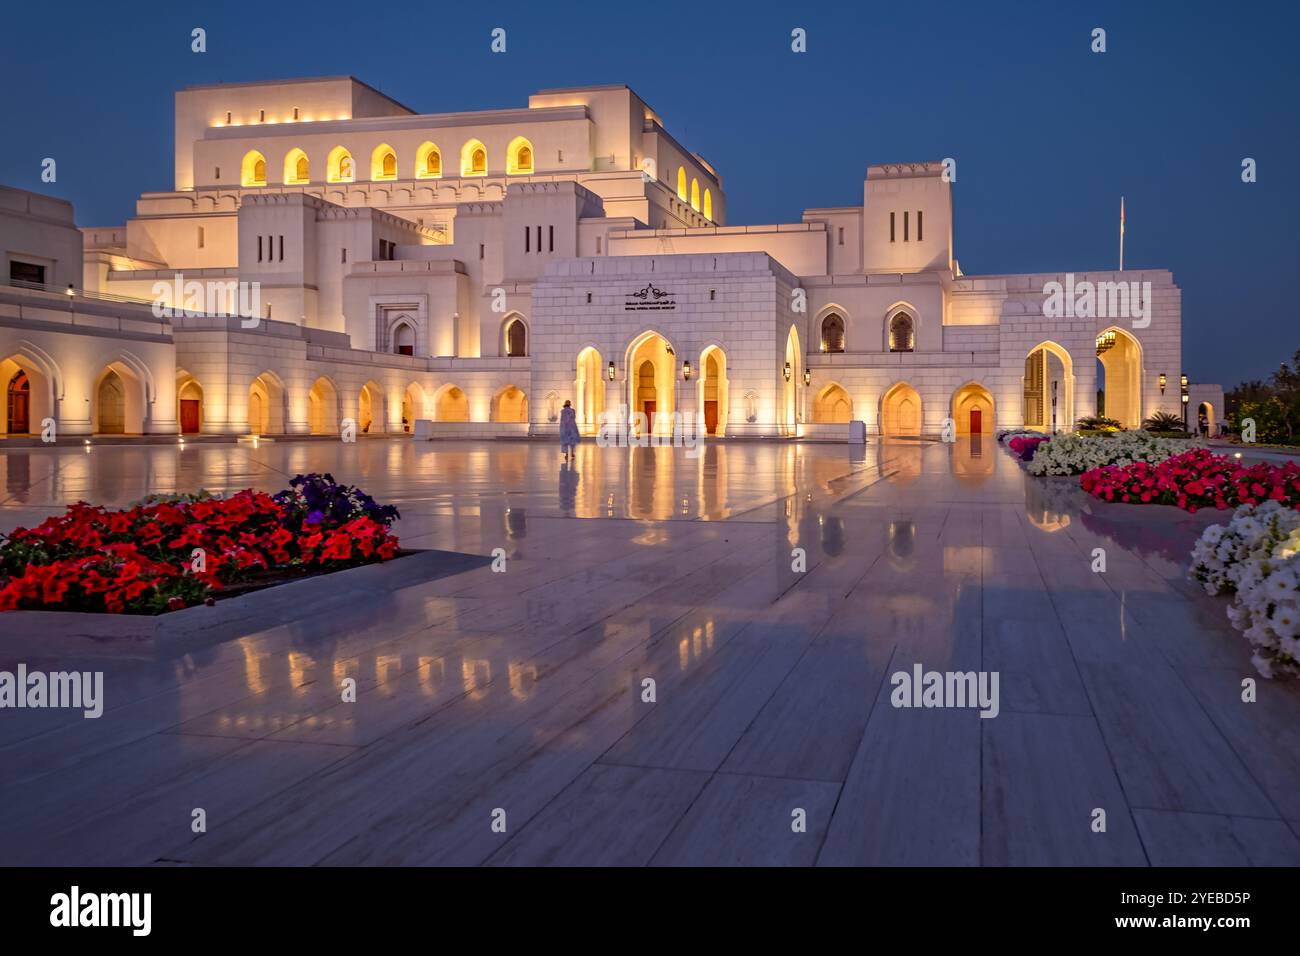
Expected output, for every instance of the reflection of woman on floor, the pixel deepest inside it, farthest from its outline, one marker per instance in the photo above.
(568, 486)
(568, 429)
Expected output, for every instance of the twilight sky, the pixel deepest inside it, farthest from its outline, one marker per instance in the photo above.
(1047, 135)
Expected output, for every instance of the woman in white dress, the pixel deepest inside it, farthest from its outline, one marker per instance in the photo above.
(568, 429)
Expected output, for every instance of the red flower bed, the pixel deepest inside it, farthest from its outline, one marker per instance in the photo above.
(1024, 446)
(1195, 479)
(167, 556)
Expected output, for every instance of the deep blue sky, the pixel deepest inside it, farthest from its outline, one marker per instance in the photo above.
(1047, 135)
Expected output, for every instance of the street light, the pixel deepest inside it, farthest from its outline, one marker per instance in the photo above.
(1182, 383)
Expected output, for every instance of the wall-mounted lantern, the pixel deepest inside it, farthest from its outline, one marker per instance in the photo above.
(686, 370)
(787, 371)
(807, 376)
(611, 371)
(1164, 380)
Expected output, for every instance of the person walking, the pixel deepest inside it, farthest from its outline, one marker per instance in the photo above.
(568, 430)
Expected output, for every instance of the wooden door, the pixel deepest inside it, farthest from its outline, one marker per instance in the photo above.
(189, 416)
(711, 417)
(976, 420)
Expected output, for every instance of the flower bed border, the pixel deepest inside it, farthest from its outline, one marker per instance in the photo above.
(32, 634)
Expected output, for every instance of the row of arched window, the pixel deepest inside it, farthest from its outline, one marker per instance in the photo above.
(901, 338)
(693, 195)
(514, 339)
(340, 167)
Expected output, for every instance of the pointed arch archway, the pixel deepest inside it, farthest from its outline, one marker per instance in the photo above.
(1049, 370)
(189, 403)
(1120, 355)
(323, 407)
(372, 409)
(451, 404)
(972, 410)
(510, 404)
(32, 384)
(383, 163)
(413, 407)
(267, 401)
(428, 162)
(832, 406)
(791, 379)
(252, 170)
(901, 412)
(473, 158)
(589, 390)
(714, 397)
(651, 374)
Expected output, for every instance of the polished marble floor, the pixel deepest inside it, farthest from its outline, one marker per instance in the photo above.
(501, 718)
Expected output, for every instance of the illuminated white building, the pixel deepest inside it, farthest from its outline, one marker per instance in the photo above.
(478, 269)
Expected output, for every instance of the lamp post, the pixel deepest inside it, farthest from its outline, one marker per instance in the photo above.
(1182, 383)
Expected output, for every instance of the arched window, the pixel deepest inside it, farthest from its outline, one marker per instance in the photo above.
(516, 339)
(428, 162)
(695, 194)
(708, 206)
(519, 156)
(383, 163)
(902, 333)
(473, 158)
(339, 168)
(681, 183)
(253, 169)
(297, 170)
(832, 333)
(404, 339)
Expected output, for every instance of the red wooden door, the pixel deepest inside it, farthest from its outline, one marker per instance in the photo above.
(649, 416)
(711, 417)
(189, 416)
(976, 419)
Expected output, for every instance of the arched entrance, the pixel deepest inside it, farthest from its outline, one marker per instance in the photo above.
(451, 405)
(19, 404)
(266, 406)
(1049, 374)
(792, 374)
(1120, 378)
(28, 396)
(1204, 424)
(189, 407)
(972, 410)
(412, 406)
(652, 368)
(370, 409)
(713, 390)
(900, 412)
(323, 407)
(119, 402)
(510, 405)
(589, 387)
(832, 406)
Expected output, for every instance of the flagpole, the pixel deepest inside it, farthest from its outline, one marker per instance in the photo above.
(1121, 233)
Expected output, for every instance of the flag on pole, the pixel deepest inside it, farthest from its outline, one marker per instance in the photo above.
(1121, 233)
